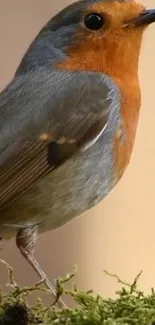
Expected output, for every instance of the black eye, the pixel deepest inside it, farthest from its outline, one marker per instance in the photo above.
(94, 21)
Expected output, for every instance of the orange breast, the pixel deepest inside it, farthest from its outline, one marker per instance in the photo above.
(126, 78)
(131, 102)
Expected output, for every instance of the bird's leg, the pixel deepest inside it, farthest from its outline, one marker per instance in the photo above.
(25, 240)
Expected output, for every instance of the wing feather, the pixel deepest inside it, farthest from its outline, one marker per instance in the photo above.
(46, 116)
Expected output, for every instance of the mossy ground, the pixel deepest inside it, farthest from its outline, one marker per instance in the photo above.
(130, 307)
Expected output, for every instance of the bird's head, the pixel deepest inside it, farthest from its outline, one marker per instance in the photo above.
(92, 35)
(102, 35)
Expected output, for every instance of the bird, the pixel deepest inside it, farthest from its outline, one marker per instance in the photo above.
(68, 118)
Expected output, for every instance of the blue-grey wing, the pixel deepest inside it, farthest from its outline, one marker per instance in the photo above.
(45, 117)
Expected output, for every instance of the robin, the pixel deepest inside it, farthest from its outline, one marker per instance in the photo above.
(69, 118)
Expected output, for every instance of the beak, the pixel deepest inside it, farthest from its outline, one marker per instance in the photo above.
(145, 18)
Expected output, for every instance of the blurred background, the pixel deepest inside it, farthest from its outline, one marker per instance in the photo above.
(119, 234)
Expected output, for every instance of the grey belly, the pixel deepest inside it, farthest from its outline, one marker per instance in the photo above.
(67, 192)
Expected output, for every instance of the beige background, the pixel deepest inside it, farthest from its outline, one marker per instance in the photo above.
(119, 234)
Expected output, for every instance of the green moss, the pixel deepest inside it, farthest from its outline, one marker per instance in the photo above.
(131, 306)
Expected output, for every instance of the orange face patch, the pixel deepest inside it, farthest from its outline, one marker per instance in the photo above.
(118, 13)
(113, 48)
